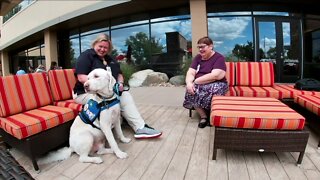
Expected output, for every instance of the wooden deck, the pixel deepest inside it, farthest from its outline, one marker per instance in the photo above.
(183, 151)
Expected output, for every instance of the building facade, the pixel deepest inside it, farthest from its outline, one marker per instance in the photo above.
(162, 35)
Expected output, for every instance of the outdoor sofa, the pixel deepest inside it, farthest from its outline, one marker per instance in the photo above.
(37, 111)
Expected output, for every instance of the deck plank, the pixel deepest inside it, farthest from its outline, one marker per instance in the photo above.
(198, 164)
(159, 164)
(217, 169)
(179, 163)
(256, 168)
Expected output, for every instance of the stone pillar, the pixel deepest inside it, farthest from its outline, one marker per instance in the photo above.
(5, 63)
(51, 47)
(199, 24)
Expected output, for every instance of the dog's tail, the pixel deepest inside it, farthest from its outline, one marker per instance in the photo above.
(59, 155)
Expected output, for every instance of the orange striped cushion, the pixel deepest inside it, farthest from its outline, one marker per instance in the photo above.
(266, 91)
(69, 104)
(254, 113)
(230, 73)
(61, 83)
(288, 90)
(31, 122)
(231, 91)
(254, 74)
(310, 102)
(19, 93)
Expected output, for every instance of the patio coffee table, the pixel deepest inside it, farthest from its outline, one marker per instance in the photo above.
(257, 124)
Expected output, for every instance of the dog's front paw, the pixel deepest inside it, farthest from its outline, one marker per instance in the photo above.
(125, 140)
(121, 155)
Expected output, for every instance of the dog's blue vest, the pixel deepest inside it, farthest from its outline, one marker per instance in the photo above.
(91, 110)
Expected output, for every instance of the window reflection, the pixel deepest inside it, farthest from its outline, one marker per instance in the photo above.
(31, 57)
(138, 38)
(232, 37)
(175, 39)
(74, 51)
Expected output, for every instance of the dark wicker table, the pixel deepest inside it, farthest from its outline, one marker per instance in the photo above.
(10, 168)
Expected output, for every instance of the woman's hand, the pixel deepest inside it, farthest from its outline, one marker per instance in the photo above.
(120, 86)
(190, 88)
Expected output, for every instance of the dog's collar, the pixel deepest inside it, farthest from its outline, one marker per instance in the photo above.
(107, 98)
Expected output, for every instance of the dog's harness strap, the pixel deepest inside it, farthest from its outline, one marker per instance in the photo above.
(91, 110)
(108, 104)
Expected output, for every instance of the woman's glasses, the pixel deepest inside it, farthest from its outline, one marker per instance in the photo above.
(201, 46)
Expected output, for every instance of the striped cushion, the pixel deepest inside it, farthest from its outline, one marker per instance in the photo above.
(310, 102)
(266, 91)
(231, 91)
(230, 73)
(61, 83)
(288, 90)
(254, 113)
(19, 93)
(31, 122)
(69, 104)
(254, 74)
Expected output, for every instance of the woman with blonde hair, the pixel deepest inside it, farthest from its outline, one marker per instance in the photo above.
(98, 57)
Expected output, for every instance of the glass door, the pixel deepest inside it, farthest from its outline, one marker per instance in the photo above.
(278, 40)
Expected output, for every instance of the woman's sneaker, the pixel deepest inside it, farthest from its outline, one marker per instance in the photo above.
(147, 132)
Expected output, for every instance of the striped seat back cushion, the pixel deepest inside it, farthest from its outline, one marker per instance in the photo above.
(20, 93)
(254, 74)
(61, 83)
(230, 73)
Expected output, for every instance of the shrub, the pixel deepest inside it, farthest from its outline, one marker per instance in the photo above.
(127, 71)
(185, 66)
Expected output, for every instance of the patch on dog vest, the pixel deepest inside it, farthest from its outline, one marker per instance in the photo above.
(90, 112)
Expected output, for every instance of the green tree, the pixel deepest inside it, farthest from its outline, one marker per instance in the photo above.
(272, 53)
(143, 47)
(245, 52)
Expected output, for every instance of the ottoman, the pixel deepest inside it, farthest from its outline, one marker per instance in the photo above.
(257, 124)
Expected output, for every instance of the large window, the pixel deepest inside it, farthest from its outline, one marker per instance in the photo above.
(232, 36)
(31, 57)
(159, 43)
(316, 46)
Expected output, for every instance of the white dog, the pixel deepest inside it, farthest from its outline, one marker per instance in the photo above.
(86, 139)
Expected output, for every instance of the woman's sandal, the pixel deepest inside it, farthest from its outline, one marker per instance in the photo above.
(203, 123)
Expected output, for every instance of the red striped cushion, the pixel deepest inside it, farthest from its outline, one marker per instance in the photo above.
(31, 122)
(231, 91)
(61, 83)
(310, 102)
(230, 73)
(288, 90)
(254, 113)
(254, 74)
(69, 104)
(266, 91)
(19, 93)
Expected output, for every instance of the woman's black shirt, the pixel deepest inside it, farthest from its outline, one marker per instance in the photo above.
(88, 61)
